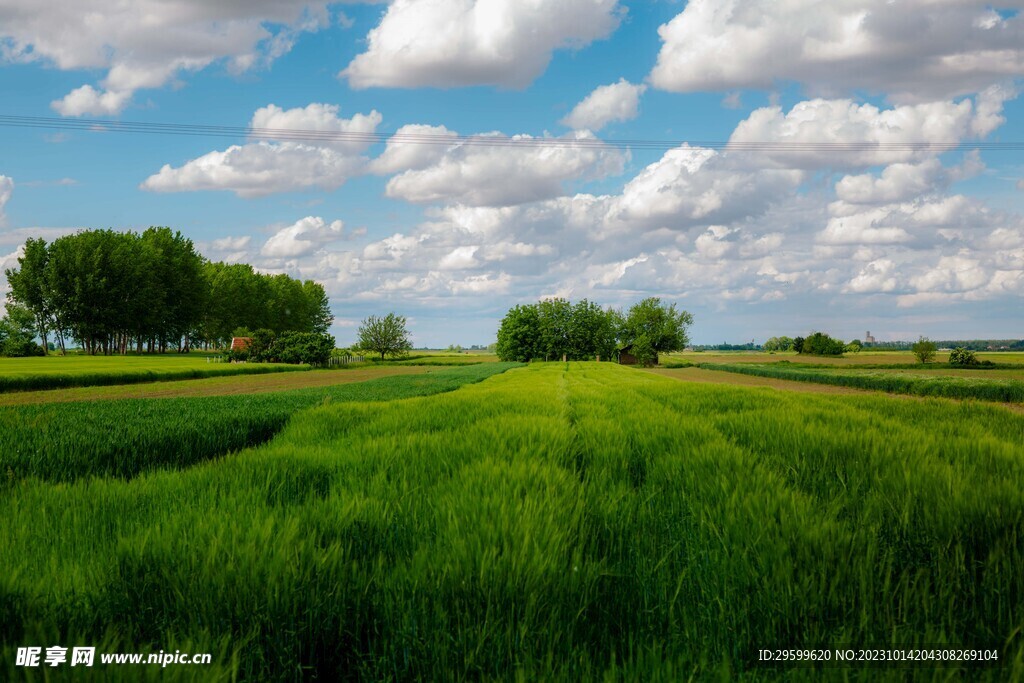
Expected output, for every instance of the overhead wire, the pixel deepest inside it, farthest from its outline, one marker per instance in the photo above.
(486, 140)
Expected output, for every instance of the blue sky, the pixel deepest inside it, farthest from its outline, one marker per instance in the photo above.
(755, 243)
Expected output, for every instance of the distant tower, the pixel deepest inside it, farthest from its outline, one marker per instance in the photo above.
(868, 339)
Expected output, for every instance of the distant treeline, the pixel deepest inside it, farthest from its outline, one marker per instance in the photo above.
(971, 344)
(117, 291)
(726, 347)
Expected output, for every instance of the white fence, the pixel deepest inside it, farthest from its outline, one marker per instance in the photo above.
(344, 360)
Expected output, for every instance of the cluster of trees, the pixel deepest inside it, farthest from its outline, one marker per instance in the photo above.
(725, 346)
(778, 344)
(816, 344)
(553, 328)
(112, 291)
(266, 346)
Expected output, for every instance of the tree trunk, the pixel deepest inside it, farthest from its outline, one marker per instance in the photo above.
(42, 335)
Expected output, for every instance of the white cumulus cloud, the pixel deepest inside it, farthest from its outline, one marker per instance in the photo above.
(303, 237)
(503, 172)
(912, 50)
(693, 186)
(607, 103)
(265, 167)
(88, 101)
(147, 43)
(865, 134)
(453, 43)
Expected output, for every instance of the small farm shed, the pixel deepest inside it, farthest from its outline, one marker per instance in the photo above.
(240, 343)
(626, 356)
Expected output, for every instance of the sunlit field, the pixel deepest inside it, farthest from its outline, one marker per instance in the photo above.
(212, 386)
(575, 521)
(863, 358)
(1004, 386)
(124, 437)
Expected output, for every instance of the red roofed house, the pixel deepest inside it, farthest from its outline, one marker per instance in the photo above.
(240, 343)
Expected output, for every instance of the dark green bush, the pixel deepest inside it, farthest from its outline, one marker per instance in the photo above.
(302, 347)
(962, 357)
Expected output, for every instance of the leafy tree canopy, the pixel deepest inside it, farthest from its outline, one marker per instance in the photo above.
(386, 336)
(552, 328)
(663, 327)
(924, 350)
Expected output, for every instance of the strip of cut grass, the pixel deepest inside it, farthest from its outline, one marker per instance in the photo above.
(122, 438)
(576, 522)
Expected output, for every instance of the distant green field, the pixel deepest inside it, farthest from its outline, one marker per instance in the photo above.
(986, 385)
(125, 437)
(557, 522)
(54, 372)
(442, 358)
(862, 358)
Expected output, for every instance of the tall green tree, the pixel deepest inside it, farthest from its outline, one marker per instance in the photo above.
(519, 335)
(661, 326)
(924, 350)
(386, 336)
(593, 331)
(17, 332)
(29, 286)
(318, 307)
(555, 328)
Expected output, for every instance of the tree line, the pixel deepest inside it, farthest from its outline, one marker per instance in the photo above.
(553, 328)
(152, 291)
(815, 344)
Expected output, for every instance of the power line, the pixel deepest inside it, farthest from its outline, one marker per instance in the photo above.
(355, 137)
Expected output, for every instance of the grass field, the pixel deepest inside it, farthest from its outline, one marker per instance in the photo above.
(125, 437)
(862, 358)
(557, 522)
(212, 386)
(57, 372)
(963, 384)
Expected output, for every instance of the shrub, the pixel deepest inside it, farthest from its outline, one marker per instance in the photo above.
(259, 345)
(962, 357)
(302, 347)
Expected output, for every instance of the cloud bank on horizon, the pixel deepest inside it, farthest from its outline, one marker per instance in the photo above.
(835, 203)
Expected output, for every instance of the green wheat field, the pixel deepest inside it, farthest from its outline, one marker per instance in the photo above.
(556, 521)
